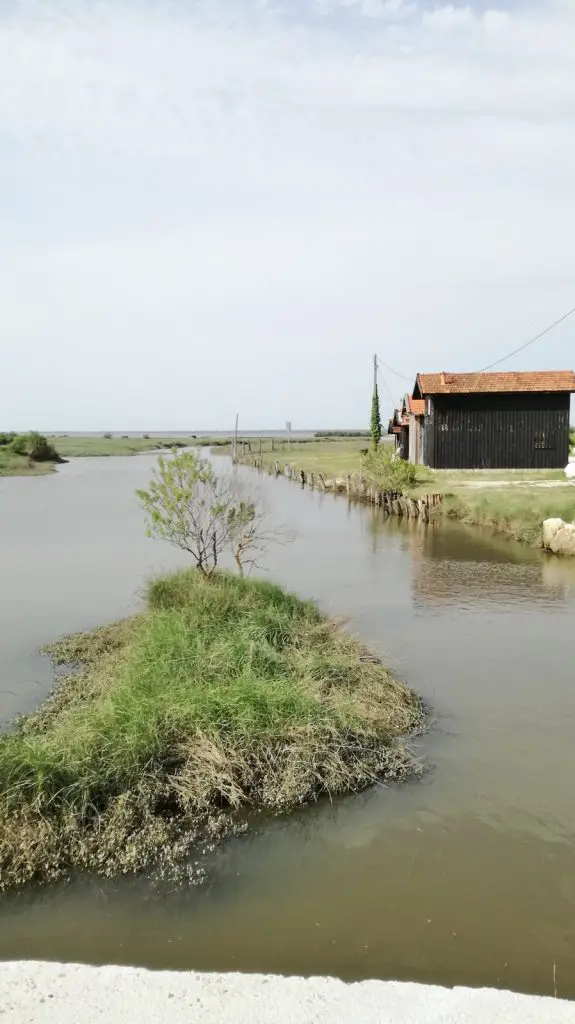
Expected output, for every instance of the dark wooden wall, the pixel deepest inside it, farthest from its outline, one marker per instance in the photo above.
(516, 431)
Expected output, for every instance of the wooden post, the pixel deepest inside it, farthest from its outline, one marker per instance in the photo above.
(260, 445)
(311, 480)
(277, 468)
(302, 477)
(273, 445)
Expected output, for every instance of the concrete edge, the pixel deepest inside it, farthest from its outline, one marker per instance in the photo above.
(51, 993)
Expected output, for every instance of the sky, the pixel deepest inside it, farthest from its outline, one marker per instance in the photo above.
(211, 207)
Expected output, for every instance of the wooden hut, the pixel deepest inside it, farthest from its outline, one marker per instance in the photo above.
(413, 413)
(495, 420)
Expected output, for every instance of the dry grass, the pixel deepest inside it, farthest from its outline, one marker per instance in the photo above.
(222, 696)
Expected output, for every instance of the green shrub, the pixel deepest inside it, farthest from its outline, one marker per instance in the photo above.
(39, 448)
(387, 471)
(6, 439)
(19, 444)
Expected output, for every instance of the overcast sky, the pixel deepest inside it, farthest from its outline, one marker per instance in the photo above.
(211, 206)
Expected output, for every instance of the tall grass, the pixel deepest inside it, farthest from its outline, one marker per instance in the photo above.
(517, 512)
(223, 694)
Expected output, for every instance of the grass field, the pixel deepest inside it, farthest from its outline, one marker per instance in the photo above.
(332, 457)
(84, 446)
(465, 482)
(19, 465)
(224, 694)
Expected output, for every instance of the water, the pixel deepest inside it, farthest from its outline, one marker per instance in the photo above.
(467, 877)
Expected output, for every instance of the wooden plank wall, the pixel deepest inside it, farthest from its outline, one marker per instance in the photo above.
(519, 431)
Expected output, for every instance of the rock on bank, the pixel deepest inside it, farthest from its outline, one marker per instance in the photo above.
(559, 537)
(40, 993)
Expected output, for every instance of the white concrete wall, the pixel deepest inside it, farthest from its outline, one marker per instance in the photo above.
(39, 993)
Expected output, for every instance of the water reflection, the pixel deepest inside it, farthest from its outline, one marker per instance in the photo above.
(456, 565)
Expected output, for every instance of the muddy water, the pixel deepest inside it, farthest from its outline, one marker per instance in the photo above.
(466, 877)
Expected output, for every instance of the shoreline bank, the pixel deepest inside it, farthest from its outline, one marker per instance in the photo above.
(52, 993)
(514, 509)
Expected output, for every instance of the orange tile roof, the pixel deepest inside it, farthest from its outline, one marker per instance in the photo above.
(416, 406)
(473, 383)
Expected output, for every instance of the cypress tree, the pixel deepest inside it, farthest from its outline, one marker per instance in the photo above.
(375, 418)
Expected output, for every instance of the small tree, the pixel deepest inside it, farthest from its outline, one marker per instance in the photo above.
(375, 418)
(250, 528)
(388, 472)
(190, 507)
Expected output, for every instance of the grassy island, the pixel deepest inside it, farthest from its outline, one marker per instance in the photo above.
(225, 694)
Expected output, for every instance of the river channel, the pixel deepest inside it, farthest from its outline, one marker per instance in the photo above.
(465, 877)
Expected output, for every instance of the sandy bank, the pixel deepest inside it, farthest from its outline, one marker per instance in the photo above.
(41, 993)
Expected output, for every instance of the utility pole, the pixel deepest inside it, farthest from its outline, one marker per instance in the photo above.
(375, 373)
(235, 459)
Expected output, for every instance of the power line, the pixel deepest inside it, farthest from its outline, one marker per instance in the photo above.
(384, 382)
(530, 342)
(497, 362)
(391, 370)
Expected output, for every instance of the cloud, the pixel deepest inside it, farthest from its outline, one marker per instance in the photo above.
(269, 192)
